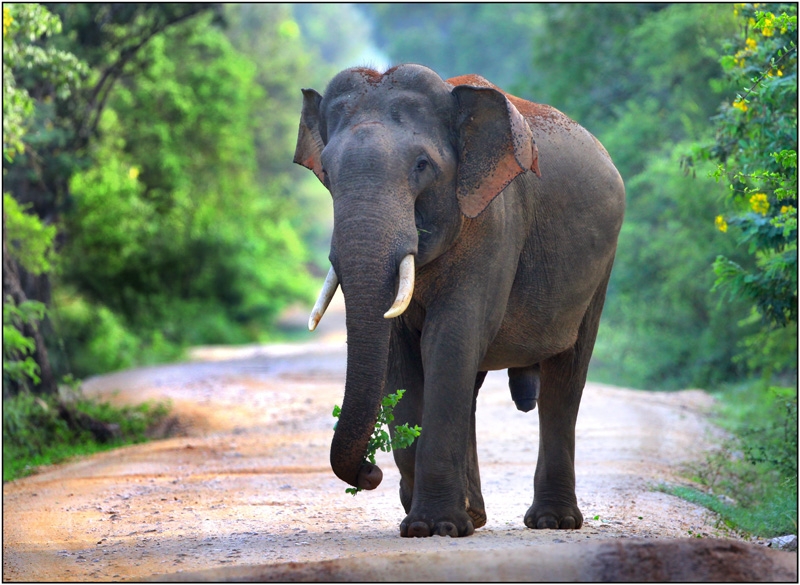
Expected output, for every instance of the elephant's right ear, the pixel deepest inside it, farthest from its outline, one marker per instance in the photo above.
(309, 140)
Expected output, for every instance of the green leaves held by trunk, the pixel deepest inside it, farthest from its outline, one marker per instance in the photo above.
(404, 435)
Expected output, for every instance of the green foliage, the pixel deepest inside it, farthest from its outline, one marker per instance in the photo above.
(23, 25)
(30, 242)
(446, 38)
(18, 363)
(756, 146)
(285, 42)
(654, 59)
(99, 340)
(404, 435)
(336, 35)
(159, 153)
(662, 327)
(175, 242)
(35, 434)
(751, 479)
(772, 518)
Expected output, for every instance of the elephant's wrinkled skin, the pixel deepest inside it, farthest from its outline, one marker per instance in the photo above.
(511, 211)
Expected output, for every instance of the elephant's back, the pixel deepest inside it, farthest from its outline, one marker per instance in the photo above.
(548, 124)
(531, 111)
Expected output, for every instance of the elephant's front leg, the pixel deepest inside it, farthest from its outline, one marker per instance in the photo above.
(475, 506)
(405, 372)
(439, 502)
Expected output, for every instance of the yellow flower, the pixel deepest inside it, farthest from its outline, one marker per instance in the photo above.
(785, 208)
(7, 20)
(759, 203)
(780, 72)
(740, 104)
(133, 173)
(750, 44)
(721, 224)
(769, 26)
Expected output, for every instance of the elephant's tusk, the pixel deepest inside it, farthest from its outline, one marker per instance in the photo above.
(405, 290)
(325, 296)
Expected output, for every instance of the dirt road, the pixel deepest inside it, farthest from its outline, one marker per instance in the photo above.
(249, 482)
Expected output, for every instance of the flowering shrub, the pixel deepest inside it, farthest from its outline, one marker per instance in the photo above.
(756, 148)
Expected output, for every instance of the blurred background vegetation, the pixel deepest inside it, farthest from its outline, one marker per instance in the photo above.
(150, 203)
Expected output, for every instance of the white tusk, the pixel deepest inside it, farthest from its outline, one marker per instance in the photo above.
(325, 296)
(405, 289)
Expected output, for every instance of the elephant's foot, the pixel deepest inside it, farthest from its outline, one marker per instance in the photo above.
(553, 516)
(476, 510)
(457, 524)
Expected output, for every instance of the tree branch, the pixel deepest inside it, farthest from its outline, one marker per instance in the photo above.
(94, 110)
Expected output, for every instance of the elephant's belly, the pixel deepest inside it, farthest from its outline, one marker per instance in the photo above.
(517, 345)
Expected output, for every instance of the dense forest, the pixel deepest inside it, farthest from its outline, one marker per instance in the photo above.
(153, 144)
(150, 203)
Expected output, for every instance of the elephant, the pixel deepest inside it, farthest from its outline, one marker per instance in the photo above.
(473, 231)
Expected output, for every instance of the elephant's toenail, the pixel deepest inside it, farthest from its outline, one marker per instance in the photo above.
(568, 522)
(547, 522)
(419, 529)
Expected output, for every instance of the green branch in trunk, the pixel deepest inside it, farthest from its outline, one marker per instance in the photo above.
(404, 435)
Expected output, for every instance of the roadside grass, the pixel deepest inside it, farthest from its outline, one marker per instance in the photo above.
(750, 480)
(36, 432)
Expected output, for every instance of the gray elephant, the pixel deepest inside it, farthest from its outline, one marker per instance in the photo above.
(473, 231)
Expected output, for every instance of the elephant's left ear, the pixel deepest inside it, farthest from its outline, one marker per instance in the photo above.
(495, 146)
(309, 139)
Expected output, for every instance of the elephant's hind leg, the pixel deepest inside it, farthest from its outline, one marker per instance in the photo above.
(563, 378)
(555, 504)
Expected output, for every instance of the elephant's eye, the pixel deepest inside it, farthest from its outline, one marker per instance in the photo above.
(422, 164)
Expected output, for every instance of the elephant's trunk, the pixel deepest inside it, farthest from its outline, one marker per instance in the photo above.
(367, 354)
(367, 262)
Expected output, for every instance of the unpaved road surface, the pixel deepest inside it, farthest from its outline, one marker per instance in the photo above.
(247, 482)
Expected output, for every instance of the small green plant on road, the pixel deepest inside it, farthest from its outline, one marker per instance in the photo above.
(404, 435)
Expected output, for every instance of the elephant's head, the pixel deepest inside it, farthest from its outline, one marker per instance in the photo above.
(407, 158)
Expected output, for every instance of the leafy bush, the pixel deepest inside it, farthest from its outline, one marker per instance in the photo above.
(30, 243)
(34, 433)
(750, 480)
(756, 148)
(99, 340)
(18, 363)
